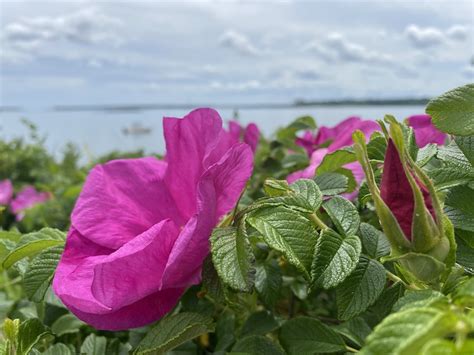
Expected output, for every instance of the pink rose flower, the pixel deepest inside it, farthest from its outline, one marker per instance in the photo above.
(249, 134)
(28, 197)
(337, 137)
(425, 131)
(6, 192)
(140, 228)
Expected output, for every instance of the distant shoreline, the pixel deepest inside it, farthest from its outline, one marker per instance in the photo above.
(235, 106)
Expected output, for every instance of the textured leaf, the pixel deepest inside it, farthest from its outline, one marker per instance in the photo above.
(259, 323)
(39, 273)
(459, 207)
(374, 242)
(225, 330)
(466, 144)
(257, 345)
(335, 258)
(33, 243)
(268, 282)
(309, 191)
(408, 331)
(426, 153)
(376, 148)
(361, 289)
(453, 112)
(173, 331)
(273, 187)
(30, 333)
(233, 258)
(66, 324)
(289, 232)
(333, 161)
(343, 214)
(422, 298)
(94, 345)
(332, 183)
(308, 336)
(58, 349)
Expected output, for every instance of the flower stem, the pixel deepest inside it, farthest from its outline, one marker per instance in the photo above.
(317, 221)
(395, 278)
(352, 350)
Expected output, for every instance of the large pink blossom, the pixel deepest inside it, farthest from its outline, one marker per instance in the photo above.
(6, 192)
(140, 228)
(249, 134)
(425, 131)
(332, 139)
(28, 197)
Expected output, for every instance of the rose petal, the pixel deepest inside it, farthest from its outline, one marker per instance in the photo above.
(425, 131)
(252, 136)
(6, 191)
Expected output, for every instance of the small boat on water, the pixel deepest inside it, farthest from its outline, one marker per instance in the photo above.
(136, 129)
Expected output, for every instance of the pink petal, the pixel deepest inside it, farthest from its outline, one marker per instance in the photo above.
(344, 137)
(309, 172)
(425, 131)
(193, 144)
(331, 133)
(252, 136)
(218, 191)
(235, 130)
(123, 198)
(27, 198)
(6, 191)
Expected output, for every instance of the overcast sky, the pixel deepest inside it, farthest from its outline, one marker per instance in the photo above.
(92, 52)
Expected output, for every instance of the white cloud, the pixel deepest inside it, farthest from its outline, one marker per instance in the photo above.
(458, 32)
(238, 42)
(469, 72)
(337, 47)
(87, 26)
(424, 37)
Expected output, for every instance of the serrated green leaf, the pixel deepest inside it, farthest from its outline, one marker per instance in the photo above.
(39, 273)
(343, 214)
(335, 258)
(58, 349)
(453, 112)
(211, 282)
(173, 331)
(408, 331)
(426, 153)
(268, 282)
(256, 345)
(33, 243)
(233, 258)
(466, 144)
(376, 148)
(259, 323)
(332, 183)
(465, 249)
(273, 187)
(309, 336)
(356, 330)
(421, 298)
(335, 160)
(446, 347)
(225, 331)
(360, 289)
(30, 333)
(66, 324)
(374, 241)
(289, 232)
(464, 294)
(459, 207)
(308, 190)
(94, 345)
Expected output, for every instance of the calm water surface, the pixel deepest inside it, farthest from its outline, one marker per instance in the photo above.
(97, 132)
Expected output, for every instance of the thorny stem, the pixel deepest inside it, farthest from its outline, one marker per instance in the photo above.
(317, 221)
(395, 278)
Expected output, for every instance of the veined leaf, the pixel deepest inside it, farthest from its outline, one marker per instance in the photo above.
(408, 331)
(375, 242)
(94, 345)
(360, 289)
(305, 335)
(233, 258)
(173, 331)
(335, 258)
(256, 344)
(332, 183)
(308, 190)
(417, 299)
(259, 323)
(66, 324)
(453, 112)
(289, 232)
(30, 333)
(273, 187)
(466, 144)
(343, 214)
(39, 273)
(333, 161)
(268, 282)
(459, 207)
(33, 243)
